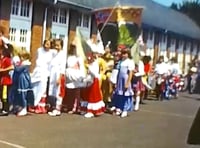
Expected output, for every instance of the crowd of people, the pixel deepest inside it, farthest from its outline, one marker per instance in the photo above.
(60, 82)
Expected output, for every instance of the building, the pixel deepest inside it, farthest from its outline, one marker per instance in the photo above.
(165, 31)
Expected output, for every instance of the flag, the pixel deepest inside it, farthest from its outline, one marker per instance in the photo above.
(102, 16)
(83, 49)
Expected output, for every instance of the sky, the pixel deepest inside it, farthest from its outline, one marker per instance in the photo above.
(168, 2)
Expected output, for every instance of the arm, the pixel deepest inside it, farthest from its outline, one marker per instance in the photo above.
(131, 67)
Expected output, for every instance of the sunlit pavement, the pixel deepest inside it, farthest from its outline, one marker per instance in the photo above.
(157, 125)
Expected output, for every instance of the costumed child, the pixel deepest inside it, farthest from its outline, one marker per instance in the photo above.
(93, 95)
(75, 72)
(6, 81)
(106, 84)
(123, 91)
(57, 77)
(22, 92)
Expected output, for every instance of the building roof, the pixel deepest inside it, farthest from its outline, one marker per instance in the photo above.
(154, 15)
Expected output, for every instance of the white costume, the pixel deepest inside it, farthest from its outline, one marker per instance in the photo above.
(75, 72)
(57, 68)
(162, 68)
(41, 73)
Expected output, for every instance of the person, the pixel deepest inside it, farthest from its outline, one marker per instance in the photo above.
(5, 81)
(93, 95)
(22, 87)
(123, 91)
(138, 85)
(40, 76)
(75, 72)
(106, 85)
(57, 77)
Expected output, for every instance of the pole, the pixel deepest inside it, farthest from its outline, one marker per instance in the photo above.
(44, 24)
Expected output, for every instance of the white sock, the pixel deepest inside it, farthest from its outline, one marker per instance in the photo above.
(137, 102)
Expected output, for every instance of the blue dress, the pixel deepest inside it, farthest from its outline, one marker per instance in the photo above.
(22, 94)
(123, 98)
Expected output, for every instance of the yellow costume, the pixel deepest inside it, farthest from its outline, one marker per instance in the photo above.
(106, 84)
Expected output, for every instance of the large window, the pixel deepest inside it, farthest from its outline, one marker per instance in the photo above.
(12, 34)
(83, 20)
(23, 35)
(60, 16)
(21, 8)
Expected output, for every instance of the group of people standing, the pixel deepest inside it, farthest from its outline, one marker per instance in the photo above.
(70, 83)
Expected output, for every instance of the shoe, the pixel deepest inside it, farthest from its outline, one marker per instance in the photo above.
(40, 110)
(112, 109)
(31, 109)
(23, 112)
(89, 115)
(55, 112)
(124, 114)
(71, 112)
(4, 113)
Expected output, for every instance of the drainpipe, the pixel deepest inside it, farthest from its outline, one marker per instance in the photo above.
(44, 24)
(45, 21)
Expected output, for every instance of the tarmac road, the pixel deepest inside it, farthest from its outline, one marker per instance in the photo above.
(163, 124)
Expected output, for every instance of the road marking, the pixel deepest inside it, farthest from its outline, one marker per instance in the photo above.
(168, 114)
(11, 144)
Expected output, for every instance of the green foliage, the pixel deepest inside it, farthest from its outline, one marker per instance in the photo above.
(190, 8)
(125, 36)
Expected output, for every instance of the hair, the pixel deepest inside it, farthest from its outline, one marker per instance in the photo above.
(127, 51)
(8, 50)
(25, 55)
(146, 59)
(71, 50)
(58, 40)
(174, 59)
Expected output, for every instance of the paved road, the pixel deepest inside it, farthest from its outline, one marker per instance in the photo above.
(157, 125)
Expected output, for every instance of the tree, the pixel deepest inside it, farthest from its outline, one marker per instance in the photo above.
(190, 8)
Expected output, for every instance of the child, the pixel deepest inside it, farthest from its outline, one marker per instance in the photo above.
(123, 92)
(57, 77)
(5, 81)
(93, 95)
(22, 85)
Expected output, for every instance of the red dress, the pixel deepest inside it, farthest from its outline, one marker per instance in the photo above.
(93, 95)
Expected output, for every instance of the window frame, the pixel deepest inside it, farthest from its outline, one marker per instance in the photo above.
(19, 10)
(59, 17)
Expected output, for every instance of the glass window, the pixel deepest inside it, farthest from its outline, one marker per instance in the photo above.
(151, 35)
(61, 36)
(23, 35)
(63, 16)
(12, 35)
(55, 15)
(25, 5)
(79, 19)
(60, 16)
(53, 35)
(86, 20)
(20, 8)
(15, 7)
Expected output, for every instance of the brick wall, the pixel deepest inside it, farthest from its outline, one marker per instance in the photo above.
(37, 30)
(5, 9)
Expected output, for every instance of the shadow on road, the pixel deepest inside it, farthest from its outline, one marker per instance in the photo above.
(194, 133)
